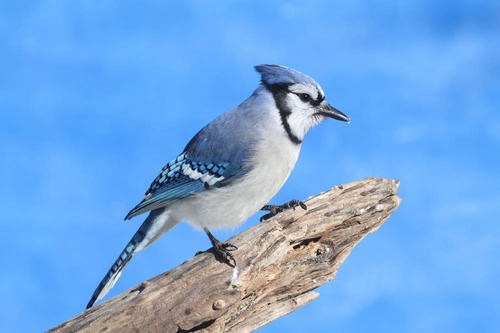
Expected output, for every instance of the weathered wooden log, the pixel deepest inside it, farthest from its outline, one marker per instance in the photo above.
(279, 263)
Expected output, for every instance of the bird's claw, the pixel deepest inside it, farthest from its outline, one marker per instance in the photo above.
(276, 209)
(222, 252)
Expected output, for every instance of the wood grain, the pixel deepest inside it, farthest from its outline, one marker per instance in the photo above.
(280, 262)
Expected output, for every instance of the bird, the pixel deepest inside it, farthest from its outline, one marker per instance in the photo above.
(232, 167)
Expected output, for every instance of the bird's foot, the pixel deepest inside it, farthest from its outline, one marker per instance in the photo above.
(276, 209)
(222, 251)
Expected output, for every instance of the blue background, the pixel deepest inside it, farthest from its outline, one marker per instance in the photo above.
(97, 96)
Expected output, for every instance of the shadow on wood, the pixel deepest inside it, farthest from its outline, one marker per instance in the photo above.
(280, 262)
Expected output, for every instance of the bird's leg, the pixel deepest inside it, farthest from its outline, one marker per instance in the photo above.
(276, 209)
(221, 250)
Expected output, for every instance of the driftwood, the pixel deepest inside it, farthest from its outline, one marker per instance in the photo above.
(280, 262)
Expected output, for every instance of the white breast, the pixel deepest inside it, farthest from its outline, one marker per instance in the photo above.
(274, 159)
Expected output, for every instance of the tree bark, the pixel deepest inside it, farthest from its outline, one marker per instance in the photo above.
(279, 264)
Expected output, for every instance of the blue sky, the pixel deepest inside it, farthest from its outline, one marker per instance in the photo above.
(97, 96)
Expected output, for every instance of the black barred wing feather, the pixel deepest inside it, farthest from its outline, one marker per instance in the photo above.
(181, 178)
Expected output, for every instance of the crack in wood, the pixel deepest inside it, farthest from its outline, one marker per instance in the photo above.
(201, 326)
(295, 295)
(139, 288)
(304, 242)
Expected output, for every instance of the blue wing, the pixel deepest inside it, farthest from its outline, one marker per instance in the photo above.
(183, 177)
(214, 157)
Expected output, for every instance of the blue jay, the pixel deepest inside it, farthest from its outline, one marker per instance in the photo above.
(232, 167)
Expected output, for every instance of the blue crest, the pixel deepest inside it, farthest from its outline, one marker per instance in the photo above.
(276, 74)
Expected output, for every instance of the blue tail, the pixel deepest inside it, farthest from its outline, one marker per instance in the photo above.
(136, 244)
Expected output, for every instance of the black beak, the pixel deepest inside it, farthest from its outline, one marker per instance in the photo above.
(331, 112)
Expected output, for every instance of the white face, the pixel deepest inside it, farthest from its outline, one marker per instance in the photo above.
(304, 101)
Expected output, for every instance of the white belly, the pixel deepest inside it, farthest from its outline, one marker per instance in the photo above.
(233, 204)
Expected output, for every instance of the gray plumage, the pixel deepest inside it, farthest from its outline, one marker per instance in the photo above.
(233, 166)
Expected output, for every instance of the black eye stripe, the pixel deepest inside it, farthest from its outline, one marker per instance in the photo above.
(308, 99)
(320, 99)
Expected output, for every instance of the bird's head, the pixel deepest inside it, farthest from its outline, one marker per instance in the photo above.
(299, 99)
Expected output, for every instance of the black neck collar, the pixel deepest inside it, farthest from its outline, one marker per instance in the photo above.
(279, 92)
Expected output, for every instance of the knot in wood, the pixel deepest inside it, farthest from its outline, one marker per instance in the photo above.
(218, 304)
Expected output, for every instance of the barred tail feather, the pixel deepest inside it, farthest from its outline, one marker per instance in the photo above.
(153, 227)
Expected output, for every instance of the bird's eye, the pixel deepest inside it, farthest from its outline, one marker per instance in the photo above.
(304, 97)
